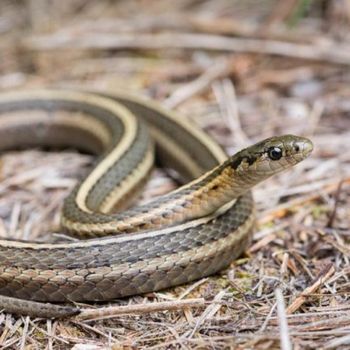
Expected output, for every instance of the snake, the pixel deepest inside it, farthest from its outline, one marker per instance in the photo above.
(187, 234)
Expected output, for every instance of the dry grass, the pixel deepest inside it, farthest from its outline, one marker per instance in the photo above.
(291, 289)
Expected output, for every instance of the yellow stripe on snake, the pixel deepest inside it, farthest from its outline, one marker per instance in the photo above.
(182, 236)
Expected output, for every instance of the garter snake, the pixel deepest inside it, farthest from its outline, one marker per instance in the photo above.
(187, 234)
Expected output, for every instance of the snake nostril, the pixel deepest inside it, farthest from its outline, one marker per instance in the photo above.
(296, 148)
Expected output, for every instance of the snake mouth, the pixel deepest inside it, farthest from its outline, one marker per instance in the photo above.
(307, 147)
(301, 148)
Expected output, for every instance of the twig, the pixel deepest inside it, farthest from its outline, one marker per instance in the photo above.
(262, 242)
(315, 116)
(336, 343)
(209, 312)
(50, 333)
(226, 96)
(321, 279)
(280, 13)
(112, 311)
(336, 202)
(219, 69)
(329, 52)
(97, 331)
(25, 333)
(324, 324)
(282, 321)
(267, 319)
(282, 209)
(192, 287)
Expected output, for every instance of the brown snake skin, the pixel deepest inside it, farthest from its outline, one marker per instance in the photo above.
(187, 234)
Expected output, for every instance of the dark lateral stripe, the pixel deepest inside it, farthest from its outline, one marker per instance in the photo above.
(129, 251)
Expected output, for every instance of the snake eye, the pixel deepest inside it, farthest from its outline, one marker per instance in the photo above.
(275, 153)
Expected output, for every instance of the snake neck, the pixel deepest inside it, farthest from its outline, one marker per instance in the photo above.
(199, 198)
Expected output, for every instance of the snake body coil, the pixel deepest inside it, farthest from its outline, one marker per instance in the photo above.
(187, 234)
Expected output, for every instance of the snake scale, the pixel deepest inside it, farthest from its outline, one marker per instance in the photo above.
(179, 237)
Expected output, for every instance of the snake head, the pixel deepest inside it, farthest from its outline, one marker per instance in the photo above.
(271, 156)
